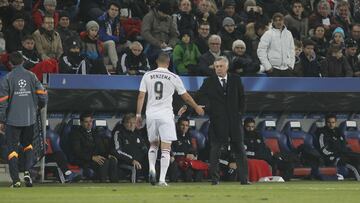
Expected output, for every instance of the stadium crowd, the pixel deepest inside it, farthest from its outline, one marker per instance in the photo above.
(305, 38)
(296, 38)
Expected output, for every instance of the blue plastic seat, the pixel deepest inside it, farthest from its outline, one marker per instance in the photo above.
(293, 130)
(275, 140)
(351, 133)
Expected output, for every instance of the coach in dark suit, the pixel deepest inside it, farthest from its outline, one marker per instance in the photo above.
(224, 97)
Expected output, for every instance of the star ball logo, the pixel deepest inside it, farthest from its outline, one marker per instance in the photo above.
(22, 83)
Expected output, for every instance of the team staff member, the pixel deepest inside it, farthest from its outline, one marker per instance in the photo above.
(21, 94)
(224, 95)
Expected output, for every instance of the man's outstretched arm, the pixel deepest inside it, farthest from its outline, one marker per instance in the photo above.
(189, 100)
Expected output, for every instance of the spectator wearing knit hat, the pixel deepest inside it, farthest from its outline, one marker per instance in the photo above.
(228, 10)
(338, 37)
(71, 62)
(92, 47)
(15, 33)
(16, 6)
(49, 10)
(63, 28)
(229, 34)
(90, 44)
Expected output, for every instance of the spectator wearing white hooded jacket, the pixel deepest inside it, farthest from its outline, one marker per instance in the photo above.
(276, 49)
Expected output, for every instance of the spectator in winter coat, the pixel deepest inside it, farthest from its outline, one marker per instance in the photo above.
(228, 34)
(350, 54)
(185, 19)
(203, 34)
(47, 40)
(322, 44)
(49, 10)
(322, 16)
(229, 11)
(63, 28)
(335, 64)
(342, 17)
(203, 14)
(111, 33)
(16, 7)
(29, 53)
(133, 61)
(296, 21)
(159, 30)
(15, 33)
(310, 66)
(240, 62)
(91, 48)
(71, 62)
(276, 49)
(32, 60)
(186, 54)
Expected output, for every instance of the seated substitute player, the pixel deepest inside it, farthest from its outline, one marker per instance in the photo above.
(160, 85)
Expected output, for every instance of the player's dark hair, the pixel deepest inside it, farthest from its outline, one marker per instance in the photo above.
(16, 58)
(328, 116)
(85, 115)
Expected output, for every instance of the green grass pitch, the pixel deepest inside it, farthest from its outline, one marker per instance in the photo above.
(290, 192)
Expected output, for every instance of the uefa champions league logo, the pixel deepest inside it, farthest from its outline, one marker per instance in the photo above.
(22, 83)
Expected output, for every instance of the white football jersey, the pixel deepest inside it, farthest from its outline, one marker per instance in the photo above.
(160, 84)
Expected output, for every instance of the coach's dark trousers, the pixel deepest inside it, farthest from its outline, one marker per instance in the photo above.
(240, 156)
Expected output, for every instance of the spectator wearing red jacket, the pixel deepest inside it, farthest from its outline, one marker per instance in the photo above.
(49, 10)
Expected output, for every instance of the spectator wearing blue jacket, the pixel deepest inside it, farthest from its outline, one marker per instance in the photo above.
(111, 32)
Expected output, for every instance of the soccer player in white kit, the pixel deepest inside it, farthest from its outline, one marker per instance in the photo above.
(160, 85)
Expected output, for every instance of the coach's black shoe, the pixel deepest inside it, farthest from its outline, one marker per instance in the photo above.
(16, 185)
(245, 183)
(152, 177)
(215, 182)
(27, 179)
